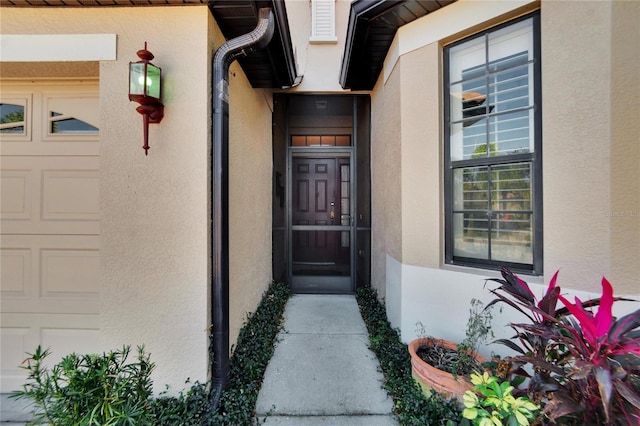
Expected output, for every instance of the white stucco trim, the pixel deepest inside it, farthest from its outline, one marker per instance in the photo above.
(440, 300)
(393, 294)
(444, 23)
(57, 47)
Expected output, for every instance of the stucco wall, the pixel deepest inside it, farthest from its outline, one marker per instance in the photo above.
(155, 209)
(39, 70)
(319, 63)
(421, 156)
(386, 190)
(625, 149)
(590, 161)
(250, 192)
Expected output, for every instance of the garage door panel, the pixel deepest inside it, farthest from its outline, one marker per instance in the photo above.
(70, 273)
(86, 306)
(15, 198)
(51, 148)
(50, 273)
(61, 334)
(16, 342)
(50, 195)
(15, 272)
(70, 195)
(63, 341)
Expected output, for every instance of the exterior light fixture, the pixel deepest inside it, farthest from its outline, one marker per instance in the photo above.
(144, 88)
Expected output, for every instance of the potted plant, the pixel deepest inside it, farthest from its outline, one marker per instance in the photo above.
(444, 366)
(584, 366)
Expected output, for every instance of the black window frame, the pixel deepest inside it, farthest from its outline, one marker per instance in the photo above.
(535, 158)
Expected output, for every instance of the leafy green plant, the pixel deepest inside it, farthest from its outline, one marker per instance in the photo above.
(190, 408)
(251, 355)
(461, 361)
(478, 333)
(479, 329)
(586, 365)
(411, 407)
(89, 389)
(492, 403)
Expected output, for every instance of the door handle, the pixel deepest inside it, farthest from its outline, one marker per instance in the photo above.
(332, 212)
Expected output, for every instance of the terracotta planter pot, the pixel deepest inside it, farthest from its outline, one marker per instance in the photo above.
(432, 379)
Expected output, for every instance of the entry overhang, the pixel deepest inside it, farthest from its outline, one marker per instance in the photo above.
(372, 27)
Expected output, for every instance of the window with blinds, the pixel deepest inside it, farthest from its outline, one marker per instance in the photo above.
(323, 21)
(492, 137)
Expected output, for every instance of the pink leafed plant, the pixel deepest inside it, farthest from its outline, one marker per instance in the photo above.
(582, 365)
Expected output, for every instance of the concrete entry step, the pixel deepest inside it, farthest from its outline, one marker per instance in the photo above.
(388, 420)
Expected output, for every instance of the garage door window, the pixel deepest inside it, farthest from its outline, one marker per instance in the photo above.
(71, 116)
(12, 118)
(62, 123)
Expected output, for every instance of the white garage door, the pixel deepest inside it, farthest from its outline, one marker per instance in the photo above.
(50, 221)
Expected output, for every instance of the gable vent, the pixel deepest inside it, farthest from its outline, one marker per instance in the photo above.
(323, 17)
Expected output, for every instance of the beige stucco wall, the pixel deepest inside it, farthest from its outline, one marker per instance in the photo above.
(625, 146)
(386, 190)
(421, 156)
(250, 192)
(406, 165)
(154, 255)
(318, 63)
(155, 209)
(590, 64)
(591, 157)
(38, 70)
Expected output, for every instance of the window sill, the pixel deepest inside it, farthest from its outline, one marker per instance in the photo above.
(323, 40)
(531, 278)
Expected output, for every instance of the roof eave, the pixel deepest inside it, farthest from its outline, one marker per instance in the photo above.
(373, 25)
(362, 12)
(289, 73)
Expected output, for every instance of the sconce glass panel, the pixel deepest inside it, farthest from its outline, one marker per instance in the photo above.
(153, 81)
(136, 79)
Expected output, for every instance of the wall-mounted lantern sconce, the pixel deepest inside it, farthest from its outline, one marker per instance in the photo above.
(144, 88)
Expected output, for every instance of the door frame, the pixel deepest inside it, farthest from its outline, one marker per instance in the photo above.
(333, 284)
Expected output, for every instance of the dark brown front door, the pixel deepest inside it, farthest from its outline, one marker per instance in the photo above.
(320, 247)
(321, 150)
(314, 203)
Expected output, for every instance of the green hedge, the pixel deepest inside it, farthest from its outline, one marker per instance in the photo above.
(411, 407)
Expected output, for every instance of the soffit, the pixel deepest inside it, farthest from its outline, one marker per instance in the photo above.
(372, 26)
(272, 67)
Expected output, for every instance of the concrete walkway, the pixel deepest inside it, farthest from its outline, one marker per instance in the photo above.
(12, 412)
(322, 372)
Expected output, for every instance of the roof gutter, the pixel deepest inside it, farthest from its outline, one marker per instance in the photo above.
(237, 47)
